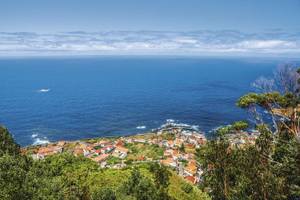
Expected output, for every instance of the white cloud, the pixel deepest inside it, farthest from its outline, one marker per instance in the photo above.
(150, 42)
(266, 44)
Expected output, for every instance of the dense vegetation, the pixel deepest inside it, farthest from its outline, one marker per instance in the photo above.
(64, 176)
(268, 170)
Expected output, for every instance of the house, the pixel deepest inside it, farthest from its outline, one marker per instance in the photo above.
(120, 152)
(100, 158)
(107, 149)
(190, 146)
(140, 140)
(178, 142)
(78, 151)
(169, 162)
(165, 143)
(47, 151)
(191, 168)
(102, 143)
(129, 140)
(170, 143)
(154, 141)
(186, 133)
(191, 179)
(168, 152)
(120, 143)
(175, 154)
(103, 164)
(81, 151)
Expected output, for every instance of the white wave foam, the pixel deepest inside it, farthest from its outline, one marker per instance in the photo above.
(170, 120)
(196, 127)
(39, 141)
(44, 90)
(34, 135)
(141, 127)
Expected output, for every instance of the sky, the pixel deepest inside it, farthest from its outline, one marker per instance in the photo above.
(163, 15)
(185, 26)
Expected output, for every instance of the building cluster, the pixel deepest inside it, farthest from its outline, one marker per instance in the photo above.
(243, 138)
(99, 151)
(179, 152)
(179, 142)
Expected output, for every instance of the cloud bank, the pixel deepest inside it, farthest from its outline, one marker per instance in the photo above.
(150, 43)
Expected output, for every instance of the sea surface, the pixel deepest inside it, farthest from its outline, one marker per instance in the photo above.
(49, 99)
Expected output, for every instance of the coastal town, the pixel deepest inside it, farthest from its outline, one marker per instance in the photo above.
(173, 145)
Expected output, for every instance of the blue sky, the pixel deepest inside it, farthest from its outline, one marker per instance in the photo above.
(180, 27)
(175, 15)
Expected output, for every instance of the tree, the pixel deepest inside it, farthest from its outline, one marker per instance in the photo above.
(104, 194)
(161, 179)
(13, 172)
(182, 148)
(286, 164)
(285, 80)
(218, 166)
(140, 187)
(61, 176)
(263, 84)
(161, 175)
(278, 97)
(263, 183)
(277, 106)
(242, 173)
(240, 125)
(7, 143)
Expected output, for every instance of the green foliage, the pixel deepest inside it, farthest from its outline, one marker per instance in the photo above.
(104, 194)
(13, 172)
(263, 100)
(64, 176)
(286, 164)
(182, 148)
(161, 174)
(187, 188)
(146, 150)
(233, 128)
(267, 170)
(7, 143)
(113, 160)
(240, 125)
(140, 187)
(219, 170)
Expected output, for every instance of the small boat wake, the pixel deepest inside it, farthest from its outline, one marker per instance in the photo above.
(141, 127)
(44, 90)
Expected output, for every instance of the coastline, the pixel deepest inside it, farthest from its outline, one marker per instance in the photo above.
(172, 144)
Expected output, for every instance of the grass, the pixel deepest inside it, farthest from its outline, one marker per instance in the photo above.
(111, 160)
(149, 151)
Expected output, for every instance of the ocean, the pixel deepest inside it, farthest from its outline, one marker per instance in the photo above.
(50, 99)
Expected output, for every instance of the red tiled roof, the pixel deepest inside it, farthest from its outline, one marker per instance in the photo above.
(100, 158)
(191, 179)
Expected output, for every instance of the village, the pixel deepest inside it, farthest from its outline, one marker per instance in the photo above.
(173, 145)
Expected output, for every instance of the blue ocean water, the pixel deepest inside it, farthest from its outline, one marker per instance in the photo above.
(73, 98)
